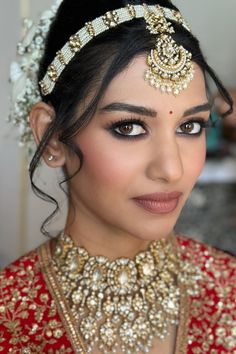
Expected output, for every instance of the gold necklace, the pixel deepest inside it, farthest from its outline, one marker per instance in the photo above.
(123, 303)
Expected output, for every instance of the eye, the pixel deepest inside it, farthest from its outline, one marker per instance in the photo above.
(132, 128)
(192, 127)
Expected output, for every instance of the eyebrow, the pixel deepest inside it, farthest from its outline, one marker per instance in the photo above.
(205, 107)
(126, 107)
(144, 111)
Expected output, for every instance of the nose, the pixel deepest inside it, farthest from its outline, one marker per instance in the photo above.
(166, 160)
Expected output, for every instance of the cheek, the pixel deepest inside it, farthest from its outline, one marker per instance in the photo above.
(108, 164)
(194, 159)
(101, 167)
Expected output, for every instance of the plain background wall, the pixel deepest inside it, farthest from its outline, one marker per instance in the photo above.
(21, 213)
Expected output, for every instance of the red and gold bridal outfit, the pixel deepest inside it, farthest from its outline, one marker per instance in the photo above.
(34, 317)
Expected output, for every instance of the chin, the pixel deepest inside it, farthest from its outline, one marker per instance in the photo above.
(150, 233)
(157, 228)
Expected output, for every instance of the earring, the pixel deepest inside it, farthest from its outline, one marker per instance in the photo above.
(50, 157)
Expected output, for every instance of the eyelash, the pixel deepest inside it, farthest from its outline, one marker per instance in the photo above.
(123, 122)
(203, 124)
(134, 121)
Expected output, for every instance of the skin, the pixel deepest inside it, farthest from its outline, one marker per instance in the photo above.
(114, 171)
(106, 220)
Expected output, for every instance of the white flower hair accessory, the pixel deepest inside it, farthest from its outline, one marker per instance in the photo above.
(23, 73)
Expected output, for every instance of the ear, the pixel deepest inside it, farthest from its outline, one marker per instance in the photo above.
(41, 116)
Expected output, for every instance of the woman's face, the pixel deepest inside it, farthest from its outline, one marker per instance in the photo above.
(143, 152)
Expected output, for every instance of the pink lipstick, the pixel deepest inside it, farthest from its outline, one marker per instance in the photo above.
(159, 203)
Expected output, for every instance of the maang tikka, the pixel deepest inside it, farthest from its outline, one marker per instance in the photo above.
(170, 67)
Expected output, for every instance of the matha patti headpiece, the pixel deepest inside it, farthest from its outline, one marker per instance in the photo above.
(170, 67)
(169, 64)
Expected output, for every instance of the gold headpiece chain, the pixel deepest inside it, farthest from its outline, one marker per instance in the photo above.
(169, 64)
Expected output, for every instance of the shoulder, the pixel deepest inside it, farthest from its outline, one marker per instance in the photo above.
(19, 286)
(14, 273)
(28, 313)
(21, 294)
(19, 277)
(208, 258)
(213, 308)
(218, 268)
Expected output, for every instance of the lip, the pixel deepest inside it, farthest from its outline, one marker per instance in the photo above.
(159, 203)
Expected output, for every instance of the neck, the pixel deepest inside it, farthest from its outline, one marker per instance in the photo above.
(106, 241)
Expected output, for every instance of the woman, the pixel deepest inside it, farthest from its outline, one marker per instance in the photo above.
(123, 111)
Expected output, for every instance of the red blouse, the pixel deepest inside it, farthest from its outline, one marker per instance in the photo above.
(34, 317)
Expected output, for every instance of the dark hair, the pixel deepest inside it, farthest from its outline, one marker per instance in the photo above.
(92, 69)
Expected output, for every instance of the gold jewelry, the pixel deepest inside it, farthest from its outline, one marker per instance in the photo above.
(169, 64)
(50, 158)
(123, 304)
(170, 67)
(169, 71)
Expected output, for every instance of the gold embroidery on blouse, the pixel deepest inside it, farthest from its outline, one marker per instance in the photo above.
(182, 331)
(215, 308)
(63, 309)
(21, 297)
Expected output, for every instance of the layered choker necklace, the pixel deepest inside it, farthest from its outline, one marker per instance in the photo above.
(122, 305)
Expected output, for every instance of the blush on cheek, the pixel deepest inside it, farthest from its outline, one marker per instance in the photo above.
(108, 160)
(198, 161)
(106, 167)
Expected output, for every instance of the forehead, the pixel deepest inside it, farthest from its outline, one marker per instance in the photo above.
(130, 87)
